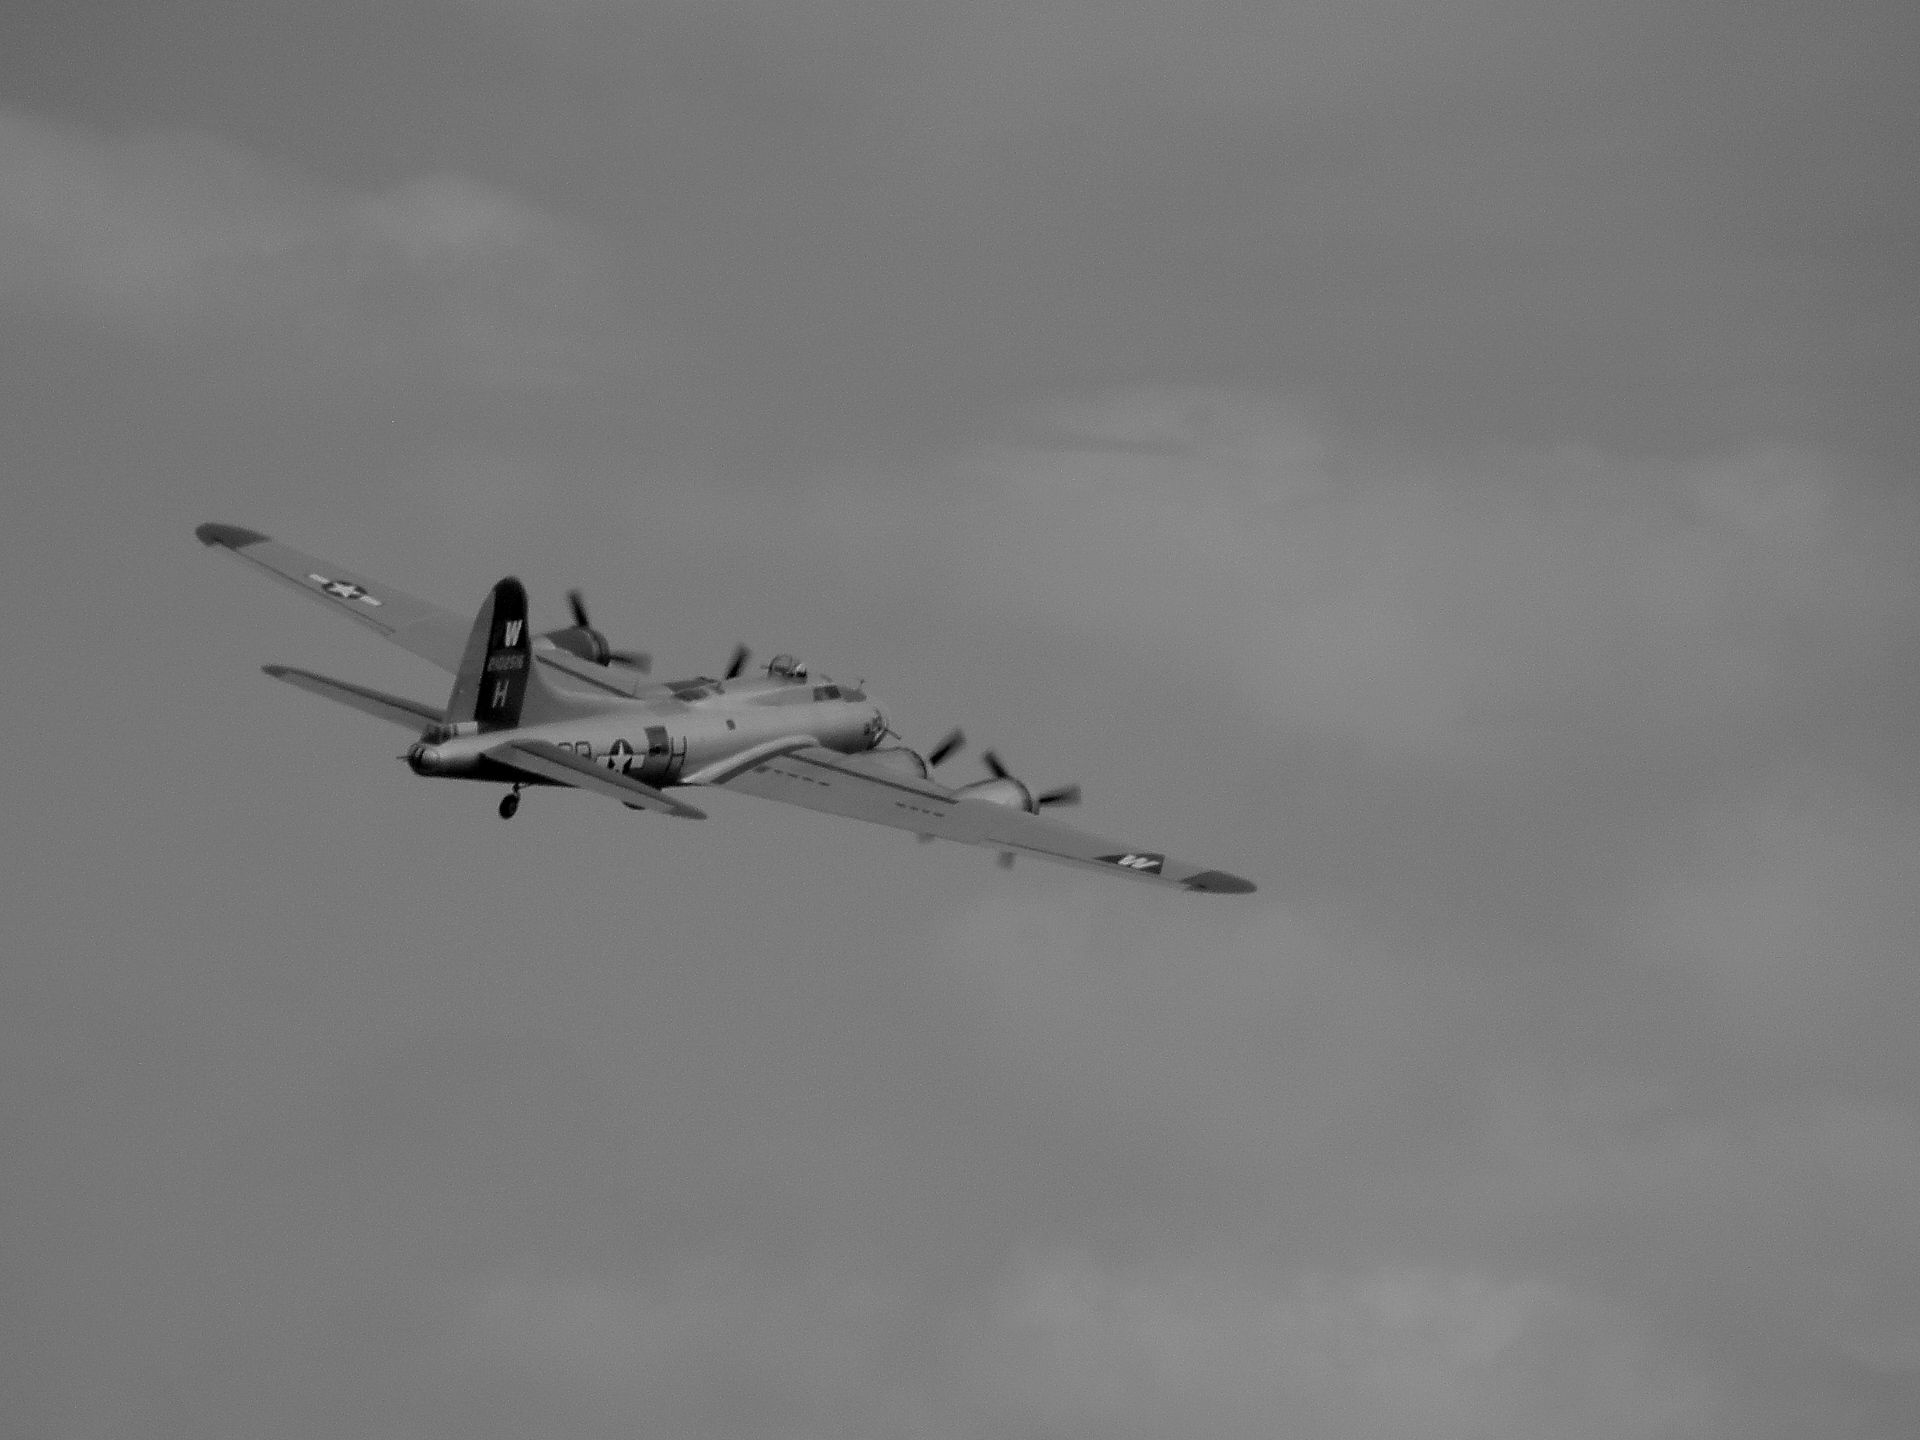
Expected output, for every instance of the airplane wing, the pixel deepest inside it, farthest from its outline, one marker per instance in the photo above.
(427, 630)
(563, 767)
(822, 779)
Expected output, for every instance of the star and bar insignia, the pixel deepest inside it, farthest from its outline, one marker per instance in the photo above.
(343, 589)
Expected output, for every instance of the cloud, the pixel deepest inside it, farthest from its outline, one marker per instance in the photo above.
(1792, 907)
(1625, 227)
(711, 1347)
(994, 66)
(1261, 1031)
(1792, 1209)
(1684, 1141)
(199, 242)
(773, 1354)
(1060, 1344)
(1505, 603)
(1080, 1348)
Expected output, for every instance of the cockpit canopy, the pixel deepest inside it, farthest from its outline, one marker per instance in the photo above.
(787, 668)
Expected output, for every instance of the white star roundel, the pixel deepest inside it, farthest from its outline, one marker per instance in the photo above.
(343, 589)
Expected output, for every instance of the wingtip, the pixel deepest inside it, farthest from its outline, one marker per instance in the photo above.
(1218, 882)
(234, 537)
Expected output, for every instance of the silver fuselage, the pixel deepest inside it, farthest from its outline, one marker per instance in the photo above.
(667, 732)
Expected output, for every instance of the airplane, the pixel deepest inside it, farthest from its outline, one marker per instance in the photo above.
(564, 708)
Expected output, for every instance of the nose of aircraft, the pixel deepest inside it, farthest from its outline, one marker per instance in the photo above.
(424, 758)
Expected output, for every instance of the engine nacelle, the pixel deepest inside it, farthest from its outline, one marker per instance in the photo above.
(1002, 790)
(582, 640)
(899, 760)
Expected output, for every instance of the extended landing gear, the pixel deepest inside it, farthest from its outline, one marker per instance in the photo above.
(510, 803)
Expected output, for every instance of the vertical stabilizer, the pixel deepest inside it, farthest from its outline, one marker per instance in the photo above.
(499, 686)
(491, 687)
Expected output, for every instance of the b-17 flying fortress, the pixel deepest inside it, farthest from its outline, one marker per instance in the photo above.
(566, 708)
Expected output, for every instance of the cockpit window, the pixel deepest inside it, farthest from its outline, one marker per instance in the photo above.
(826, 692)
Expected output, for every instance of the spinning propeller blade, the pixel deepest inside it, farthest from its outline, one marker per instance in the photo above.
(953, 741)
(1017, 793)
(1060, 795)
(589, 644)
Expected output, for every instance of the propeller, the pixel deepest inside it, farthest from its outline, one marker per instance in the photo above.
(949, 744)
(1006, 788)
(638, 659)
(955, 738)
(589, 644)
(1062, 795)
(741, 654)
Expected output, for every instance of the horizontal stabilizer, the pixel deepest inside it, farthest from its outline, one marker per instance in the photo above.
(563, 767)
(408, 713)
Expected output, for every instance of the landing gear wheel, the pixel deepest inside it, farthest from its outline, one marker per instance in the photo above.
(509, 803)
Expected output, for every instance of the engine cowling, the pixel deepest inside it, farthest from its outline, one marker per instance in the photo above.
(582, 640)
(899, 760)
(1004, 787)
(1002, 790)
(1008, 789)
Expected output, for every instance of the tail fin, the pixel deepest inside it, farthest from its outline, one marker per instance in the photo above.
(491, 687)
(498, 686)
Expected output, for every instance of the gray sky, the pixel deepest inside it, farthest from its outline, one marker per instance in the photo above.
(1451, 462)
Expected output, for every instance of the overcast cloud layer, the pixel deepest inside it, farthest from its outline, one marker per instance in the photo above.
(1453, 463)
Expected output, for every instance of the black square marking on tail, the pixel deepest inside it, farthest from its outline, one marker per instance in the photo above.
(508, 659)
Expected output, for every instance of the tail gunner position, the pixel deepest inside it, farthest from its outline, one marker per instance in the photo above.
(564, 708)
